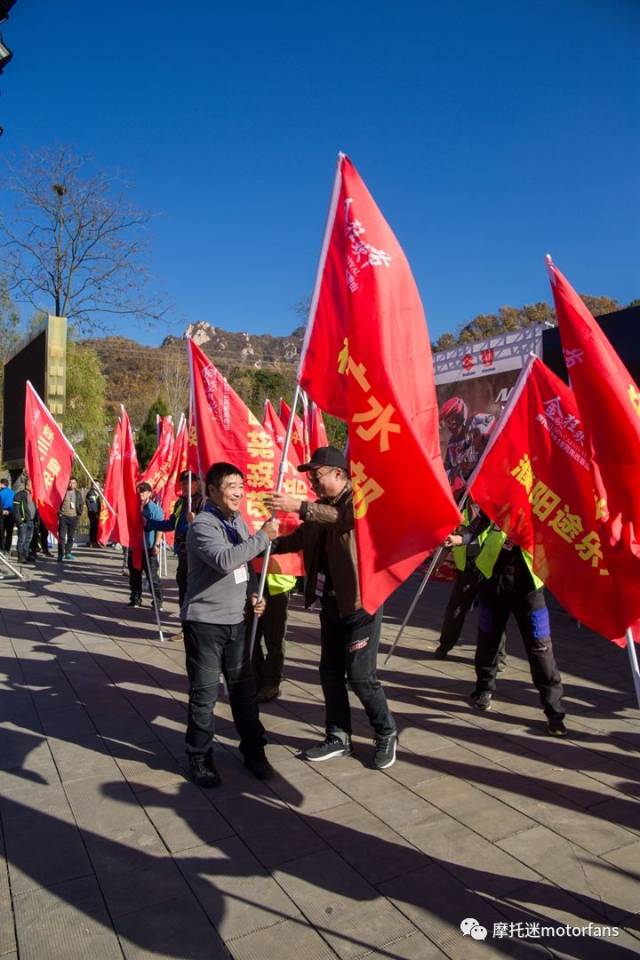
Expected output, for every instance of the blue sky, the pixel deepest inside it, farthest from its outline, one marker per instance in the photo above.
(488, 132)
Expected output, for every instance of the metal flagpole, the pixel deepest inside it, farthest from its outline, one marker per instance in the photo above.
(153, 589)
(267, 554)
(504, 416)
(94, 482)
(11, 567)
(633, 663)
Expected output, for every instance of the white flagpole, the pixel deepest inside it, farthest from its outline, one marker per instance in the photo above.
(633, 663)
(504, 416)
(94, 482)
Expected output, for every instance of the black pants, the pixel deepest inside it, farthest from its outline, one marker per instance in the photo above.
(463, 593)
(66, 535)
(135, 576)
(512, 592)
(349, 648)
(93, 529)
(272, 629)
(182, 573)
(6, 531)
(211, 648)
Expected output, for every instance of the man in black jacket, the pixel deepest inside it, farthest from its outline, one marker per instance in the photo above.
(24, 512)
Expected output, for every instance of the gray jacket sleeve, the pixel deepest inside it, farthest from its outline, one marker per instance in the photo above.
(213, 548)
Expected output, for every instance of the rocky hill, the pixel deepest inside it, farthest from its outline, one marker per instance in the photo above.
(137, 375)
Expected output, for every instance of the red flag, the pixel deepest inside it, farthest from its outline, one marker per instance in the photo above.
(316, 429)
(227, 430)
(130, 518)
(367, 359)
(48, 458)
(272, 423)
(297, 433)
(159, 466)
(173, 488)
(107, 521)
(536, 482)
(609, 404)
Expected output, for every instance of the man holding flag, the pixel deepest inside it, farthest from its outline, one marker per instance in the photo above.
(349, 636)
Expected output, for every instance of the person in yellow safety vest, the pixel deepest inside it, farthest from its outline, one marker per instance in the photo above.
(272, 628)
(508, 586)
(463, 594)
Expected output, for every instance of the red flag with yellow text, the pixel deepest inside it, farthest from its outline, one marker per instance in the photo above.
(609, 402)
(272, 422)
(159, 467)
(48, 459)
(107, 521)
(537, 483)
(227, 430)
(366, 358)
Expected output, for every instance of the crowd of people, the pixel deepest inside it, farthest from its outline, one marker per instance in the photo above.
(218, 596)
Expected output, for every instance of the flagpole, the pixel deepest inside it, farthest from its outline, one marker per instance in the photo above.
(633, 663)
(504, 416)
(11, 567)
(150, 579)
(267, 554)
(94, 482)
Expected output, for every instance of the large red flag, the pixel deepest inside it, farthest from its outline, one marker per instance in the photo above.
(609, 404)
(536, 482)
(107, 521)
(129, 512)
(227, 430)
(48, 458)
(367, 359)
(159, 467)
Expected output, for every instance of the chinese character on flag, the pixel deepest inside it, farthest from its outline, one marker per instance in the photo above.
(227, 430)
(158, 468)
(536, 482)
(366, 358)
(48, 459)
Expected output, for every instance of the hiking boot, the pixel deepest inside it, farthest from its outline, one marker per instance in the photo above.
(268, 693)
(481, 701)
(258, 765)
(202, 770)
(332, 746)
(556, 727)
(385, 755)
(441, 652)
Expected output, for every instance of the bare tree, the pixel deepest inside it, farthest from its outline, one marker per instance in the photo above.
(174, 381)
(73, 245)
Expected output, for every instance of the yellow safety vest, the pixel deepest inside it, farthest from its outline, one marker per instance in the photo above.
(280, 583)
(490, 551)
(460, 553)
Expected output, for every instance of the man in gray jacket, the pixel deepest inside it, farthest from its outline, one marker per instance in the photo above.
(214, 616)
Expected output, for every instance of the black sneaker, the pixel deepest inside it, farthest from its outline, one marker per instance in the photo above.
(265, 694)
(135, 602)
(332, 747)
(441, 653)
(385, 755)
(481, 701)
(258, 765)
(202, 770)
(556, 727)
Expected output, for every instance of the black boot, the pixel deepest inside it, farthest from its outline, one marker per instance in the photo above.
(202, 770)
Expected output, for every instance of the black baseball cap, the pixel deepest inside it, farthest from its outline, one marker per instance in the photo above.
(325, 457)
